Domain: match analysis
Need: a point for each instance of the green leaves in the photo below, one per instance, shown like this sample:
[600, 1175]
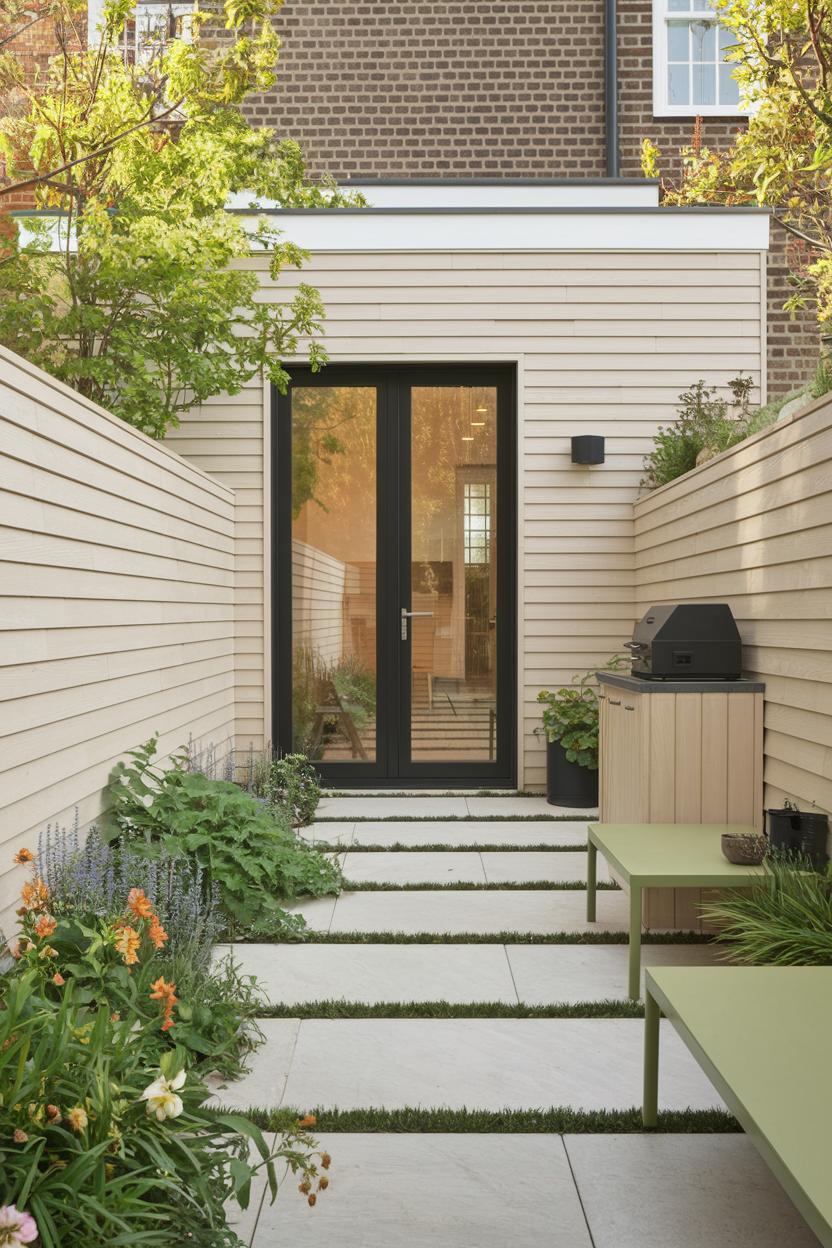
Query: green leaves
[151, 311]
[249, 851]
[571, 716]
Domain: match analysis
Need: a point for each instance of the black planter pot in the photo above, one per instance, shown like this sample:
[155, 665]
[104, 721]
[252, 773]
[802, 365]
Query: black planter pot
[568, 784]
[799, 832]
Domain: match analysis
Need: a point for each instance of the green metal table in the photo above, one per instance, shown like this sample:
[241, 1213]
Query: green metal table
[672, 855]
[761, 1034]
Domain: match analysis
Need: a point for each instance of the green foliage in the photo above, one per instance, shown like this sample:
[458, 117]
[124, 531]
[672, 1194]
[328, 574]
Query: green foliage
[291, 783]
[705, 426]
[786, 920]
[82, 1148]
[249, 852]
[571, 716]
[782, 53]
[142, 295]
[315, 683]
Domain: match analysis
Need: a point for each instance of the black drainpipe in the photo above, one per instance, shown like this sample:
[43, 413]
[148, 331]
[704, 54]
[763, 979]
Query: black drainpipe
[611, 88]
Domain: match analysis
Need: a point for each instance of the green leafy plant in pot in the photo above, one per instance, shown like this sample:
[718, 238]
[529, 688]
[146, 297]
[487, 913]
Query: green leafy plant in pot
[570, 722]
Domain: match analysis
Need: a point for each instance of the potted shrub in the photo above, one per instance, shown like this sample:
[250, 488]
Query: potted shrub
[570, 722]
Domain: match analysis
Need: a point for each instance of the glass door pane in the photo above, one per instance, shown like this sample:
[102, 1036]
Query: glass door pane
[453, 574]
[334, 572]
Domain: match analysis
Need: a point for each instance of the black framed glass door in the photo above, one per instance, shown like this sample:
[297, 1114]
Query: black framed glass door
[394, 579]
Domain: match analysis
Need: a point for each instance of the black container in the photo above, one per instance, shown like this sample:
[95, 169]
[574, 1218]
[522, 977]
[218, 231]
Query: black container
[568, 784]
[799, 832]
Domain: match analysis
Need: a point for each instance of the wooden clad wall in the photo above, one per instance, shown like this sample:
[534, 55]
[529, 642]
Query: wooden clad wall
[116, 604]
[604, 341]
[754, 528]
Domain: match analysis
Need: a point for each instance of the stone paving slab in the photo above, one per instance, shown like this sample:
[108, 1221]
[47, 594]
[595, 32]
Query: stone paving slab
[549, 974]
[521, 866]
[682, 1191]
[423, 1191]
[467, 832]
[527, 910]
[475, 1063]
[516, 805]
[290, 974]
[415, 807]
[336, 833]
[417, 868]
[448, 867]
[481, 912]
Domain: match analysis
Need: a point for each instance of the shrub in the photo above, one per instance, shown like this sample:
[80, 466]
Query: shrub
[250, 853]
[571, 716]
[291, 782]
[785, 920]
[99, 1142]
[705, 423]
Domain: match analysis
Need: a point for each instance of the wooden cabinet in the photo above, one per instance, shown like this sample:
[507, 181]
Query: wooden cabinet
[678, 752]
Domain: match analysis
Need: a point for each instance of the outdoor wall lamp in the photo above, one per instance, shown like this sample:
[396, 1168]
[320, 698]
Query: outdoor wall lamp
[588, 448]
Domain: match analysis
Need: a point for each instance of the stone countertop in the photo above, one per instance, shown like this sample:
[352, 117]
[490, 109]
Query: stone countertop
[637, 684]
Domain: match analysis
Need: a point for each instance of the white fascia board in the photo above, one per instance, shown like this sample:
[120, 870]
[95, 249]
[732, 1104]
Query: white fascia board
[422, 195]
[459, 230]
[658, 229]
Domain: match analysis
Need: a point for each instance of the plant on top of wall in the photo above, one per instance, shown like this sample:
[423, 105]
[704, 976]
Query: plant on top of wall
[706, 425]
[249, 852]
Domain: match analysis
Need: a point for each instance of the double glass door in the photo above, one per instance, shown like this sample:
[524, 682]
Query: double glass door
[394, 594]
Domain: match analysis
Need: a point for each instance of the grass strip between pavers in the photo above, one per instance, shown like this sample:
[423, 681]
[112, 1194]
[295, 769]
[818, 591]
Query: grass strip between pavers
[513, 1121]
[473, 886]
[313, 937]
[454, 818]
[476, 847]
[452, 1009]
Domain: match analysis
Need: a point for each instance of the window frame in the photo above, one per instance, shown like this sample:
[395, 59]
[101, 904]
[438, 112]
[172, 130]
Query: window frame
[661, 106]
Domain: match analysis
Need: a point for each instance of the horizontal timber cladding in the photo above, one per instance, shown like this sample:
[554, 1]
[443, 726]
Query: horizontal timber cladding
[754, 528]
[116, 605]
[603, 343]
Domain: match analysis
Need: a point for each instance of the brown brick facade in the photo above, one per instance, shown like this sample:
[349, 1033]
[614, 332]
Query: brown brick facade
[442, 88]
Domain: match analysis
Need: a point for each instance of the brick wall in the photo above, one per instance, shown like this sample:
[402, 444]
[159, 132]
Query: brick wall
[433, 88]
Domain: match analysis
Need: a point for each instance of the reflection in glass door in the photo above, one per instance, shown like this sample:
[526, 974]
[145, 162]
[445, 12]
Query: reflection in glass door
[453, 706]
[394, 588]
[334, 572]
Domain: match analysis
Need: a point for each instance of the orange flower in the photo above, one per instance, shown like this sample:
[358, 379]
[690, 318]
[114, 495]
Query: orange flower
[139, 904]
[115, 1017]
[127, 944]
[157, 933]
[164, 993]
[53, 1114]
[58, 980]
[19, 1136]
[35, 895]
[326, 1160]
[45, 925]
[308, 1120]
[23, 856]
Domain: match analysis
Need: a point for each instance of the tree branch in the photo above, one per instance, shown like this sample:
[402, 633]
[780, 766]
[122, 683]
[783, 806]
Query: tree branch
[99, 151]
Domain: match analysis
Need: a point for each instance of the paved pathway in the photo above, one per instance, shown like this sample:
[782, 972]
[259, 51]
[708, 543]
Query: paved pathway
[485, 1190]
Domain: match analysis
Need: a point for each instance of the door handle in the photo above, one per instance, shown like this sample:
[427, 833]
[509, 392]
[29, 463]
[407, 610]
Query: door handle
[408, 615]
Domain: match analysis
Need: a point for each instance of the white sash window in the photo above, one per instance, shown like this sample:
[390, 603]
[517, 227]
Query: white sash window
[691, 76]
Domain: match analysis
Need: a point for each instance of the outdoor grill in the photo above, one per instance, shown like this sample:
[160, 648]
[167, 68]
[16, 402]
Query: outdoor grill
[687, 641]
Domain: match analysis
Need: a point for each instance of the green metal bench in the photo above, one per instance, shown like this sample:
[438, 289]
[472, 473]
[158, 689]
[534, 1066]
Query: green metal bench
[761, 1034]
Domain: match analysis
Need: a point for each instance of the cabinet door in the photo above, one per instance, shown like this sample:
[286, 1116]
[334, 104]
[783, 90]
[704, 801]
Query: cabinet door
[623, 796]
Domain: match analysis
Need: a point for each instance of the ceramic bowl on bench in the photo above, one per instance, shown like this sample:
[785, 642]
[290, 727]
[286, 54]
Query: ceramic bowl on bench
[744, 850]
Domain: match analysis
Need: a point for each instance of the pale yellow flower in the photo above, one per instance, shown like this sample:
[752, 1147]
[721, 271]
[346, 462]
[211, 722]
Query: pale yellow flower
[162, 1099]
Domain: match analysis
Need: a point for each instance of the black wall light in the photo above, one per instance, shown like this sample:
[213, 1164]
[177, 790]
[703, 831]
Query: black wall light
[588, 449]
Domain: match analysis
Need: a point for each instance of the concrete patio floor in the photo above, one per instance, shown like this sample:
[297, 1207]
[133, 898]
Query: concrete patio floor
[535, 1191]
[486, 1190]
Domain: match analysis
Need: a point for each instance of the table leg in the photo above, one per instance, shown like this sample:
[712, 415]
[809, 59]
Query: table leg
[635, 941]
[650, 1103]
[591, 878]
